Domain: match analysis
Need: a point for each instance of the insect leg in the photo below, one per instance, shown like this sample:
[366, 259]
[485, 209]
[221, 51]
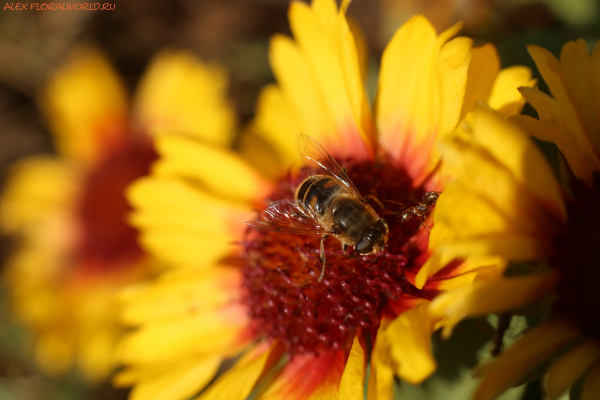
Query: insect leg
[375, 200]
[427, 228]
[323, 256]
[344, 248]
[396, 212]
[421, 214]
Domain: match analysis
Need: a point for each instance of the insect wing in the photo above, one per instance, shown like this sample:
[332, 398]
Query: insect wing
[317, 161]
[287, 217]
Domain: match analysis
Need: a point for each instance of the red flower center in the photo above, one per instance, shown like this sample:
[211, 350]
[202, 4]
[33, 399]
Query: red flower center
[281, 271]
[578, 259]
[106, 239]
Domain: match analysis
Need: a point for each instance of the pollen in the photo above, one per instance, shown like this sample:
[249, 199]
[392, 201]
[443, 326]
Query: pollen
[281, 271]
[578, 259]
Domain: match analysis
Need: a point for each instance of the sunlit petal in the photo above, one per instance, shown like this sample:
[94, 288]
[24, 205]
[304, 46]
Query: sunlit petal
[86, 104]
[175, 88]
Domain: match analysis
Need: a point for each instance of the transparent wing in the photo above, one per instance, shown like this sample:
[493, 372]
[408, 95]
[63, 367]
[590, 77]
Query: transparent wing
[317, 161]
[287, 217]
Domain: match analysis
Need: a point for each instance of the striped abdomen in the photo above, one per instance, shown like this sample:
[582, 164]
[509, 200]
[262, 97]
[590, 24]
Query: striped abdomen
[317, 192]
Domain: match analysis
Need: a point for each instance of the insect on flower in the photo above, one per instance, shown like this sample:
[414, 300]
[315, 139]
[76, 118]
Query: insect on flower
[428, 201]
[326, 203]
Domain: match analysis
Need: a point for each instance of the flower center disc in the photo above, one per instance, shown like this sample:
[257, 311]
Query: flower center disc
[578, 260]
[106, 238]
[281, 271]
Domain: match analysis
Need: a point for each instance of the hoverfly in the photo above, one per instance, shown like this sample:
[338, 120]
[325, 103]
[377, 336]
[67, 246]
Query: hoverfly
[328, 204]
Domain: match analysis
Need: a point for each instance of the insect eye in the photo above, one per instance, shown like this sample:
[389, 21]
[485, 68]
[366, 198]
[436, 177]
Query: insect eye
[381, 226]
[364, 246]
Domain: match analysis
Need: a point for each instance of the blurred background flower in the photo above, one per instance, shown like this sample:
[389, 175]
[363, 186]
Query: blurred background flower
[66, 213]
[74, 249]
[34, 43]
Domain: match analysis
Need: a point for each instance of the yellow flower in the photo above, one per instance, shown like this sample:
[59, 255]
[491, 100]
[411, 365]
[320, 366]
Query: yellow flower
[570, 119]
[237, 291]
[506, 202]
[75, 249]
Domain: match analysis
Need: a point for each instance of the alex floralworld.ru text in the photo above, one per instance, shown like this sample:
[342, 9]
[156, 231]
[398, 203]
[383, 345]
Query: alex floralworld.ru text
[59, 6]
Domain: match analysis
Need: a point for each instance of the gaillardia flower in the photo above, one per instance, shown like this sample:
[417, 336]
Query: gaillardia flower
[240, 292]
[506, 202]
[68, 212]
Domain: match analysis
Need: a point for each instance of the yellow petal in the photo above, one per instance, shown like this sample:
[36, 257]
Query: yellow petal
[308, 377]
[237, 383]
[464, 273]
[541, 130]
[553, 126]
[584, 81]
[565, 371]
[409, 336]
[37, 189]
[179, 382]
[54, 352]
[508, 245]
[300, 89]
[179, 248]
[454, 59]
[183, 225]
[352, 385]
[181, 94]
[492, 296]
[535, 347]
[508, 145]
[553, 73]
[591, 386]
[505, 96]
[130, 375]
[262, 154]
[483, 68]
[490, 187]
[498, 88]
[361, 42]
[574, 83]
[182, 292]
[320, 75]
[421, 90]
[306, 100]
[381, 375]
[86, 105]
[277, 122]
[211, 332]
[220, 171]
[328, 45]
[96, 352]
